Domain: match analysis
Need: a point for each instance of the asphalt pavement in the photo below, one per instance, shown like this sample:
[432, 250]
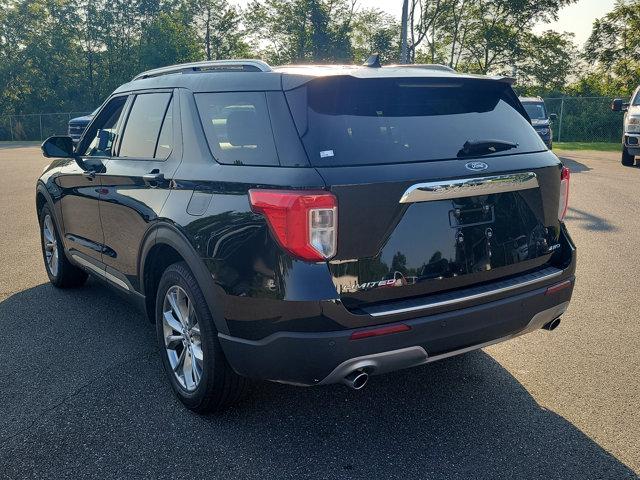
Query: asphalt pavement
[82, 393]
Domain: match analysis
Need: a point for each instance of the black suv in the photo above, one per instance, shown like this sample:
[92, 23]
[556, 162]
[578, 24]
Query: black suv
[540, 119]
[312, 224]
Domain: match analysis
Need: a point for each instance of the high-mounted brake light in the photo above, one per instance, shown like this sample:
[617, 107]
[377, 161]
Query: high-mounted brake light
[305, 223]
[565, 176]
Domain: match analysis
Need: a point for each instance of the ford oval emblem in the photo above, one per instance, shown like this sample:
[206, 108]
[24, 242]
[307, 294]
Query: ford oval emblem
[476, 166]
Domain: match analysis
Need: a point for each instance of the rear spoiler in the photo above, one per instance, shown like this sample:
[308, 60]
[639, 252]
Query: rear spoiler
[291, 79]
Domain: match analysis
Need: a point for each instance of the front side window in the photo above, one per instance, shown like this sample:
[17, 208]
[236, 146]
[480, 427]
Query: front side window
[238, 127]
[142, 129]
[103, 129]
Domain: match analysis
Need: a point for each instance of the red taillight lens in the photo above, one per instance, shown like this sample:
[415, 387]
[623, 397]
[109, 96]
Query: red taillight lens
[304, 223]
[565, 176]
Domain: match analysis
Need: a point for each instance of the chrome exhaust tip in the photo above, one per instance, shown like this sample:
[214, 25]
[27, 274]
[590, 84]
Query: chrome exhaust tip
[552, 325]
[356, 380]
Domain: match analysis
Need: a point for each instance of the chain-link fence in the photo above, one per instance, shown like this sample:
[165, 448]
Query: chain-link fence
[35, 126]
[580, 119]
[585, 119]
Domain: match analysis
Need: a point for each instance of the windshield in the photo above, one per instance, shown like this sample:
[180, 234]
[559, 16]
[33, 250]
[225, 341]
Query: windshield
[350, 121]
[536, 111]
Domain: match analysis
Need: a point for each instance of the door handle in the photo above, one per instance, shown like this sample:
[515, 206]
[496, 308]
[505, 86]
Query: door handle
[153, 178]
[89, 174]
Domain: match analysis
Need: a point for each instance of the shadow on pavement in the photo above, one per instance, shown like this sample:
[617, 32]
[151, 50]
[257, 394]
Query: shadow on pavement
[589, 221]
[575, 166]
[82, 391]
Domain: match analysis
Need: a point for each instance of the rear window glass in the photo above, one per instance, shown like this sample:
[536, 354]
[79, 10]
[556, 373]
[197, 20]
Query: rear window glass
[238, 127]
[349, 121]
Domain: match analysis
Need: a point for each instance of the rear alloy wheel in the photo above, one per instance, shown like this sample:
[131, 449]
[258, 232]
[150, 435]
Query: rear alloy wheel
[190, 351]
[627, 159]
[183, 344]
[60, 271]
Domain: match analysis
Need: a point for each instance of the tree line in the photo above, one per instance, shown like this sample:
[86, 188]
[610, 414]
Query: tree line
[68, 55]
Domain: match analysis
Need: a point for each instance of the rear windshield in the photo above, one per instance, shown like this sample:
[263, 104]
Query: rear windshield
[536, 111]
[349, 121]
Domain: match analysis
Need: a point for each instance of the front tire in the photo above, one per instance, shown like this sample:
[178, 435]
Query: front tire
[627, 159]
[61, 272]
[191, 354]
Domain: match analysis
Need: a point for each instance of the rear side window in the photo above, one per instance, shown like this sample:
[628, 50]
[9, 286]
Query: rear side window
[350, 121]
[238, 127]
[142, 129]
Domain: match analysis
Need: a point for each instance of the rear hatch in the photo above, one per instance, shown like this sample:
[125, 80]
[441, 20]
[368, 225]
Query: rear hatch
[441, 183]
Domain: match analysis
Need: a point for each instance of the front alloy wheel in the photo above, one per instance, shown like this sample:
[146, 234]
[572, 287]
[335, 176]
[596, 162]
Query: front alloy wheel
[60, 271]
[182, 338]
[50, 245]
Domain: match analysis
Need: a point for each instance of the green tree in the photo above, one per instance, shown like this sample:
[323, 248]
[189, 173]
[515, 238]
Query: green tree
[302, 30]
[499, 31]
[614, 46]
[375, 31]
[547, 62]
[168, 40]
[220, 29]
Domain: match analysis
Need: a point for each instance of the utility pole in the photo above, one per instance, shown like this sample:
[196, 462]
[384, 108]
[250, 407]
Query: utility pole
[404, 54]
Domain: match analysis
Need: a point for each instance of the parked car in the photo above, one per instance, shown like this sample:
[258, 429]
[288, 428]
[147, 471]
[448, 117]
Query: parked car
[540, 119]
[311, 224]
[631, 127]
[78, 125]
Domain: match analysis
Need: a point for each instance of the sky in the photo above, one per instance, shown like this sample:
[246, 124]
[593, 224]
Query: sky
[577, 18]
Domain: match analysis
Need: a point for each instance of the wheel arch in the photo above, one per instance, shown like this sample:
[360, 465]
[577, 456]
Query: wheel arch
[163, 246]
[43, 197]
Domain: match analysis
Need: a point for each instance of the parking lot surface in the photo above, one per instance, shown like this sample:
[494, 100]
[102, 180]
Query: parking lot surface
[82, 394]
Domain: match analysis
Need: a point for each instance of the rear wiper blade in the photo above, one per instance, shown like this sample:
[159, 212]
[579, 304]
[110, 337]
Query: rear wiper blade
[485, 147]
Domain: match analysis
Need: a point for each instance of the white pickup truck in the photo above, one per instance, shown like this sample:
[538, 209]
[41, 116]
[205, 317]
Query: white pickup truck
[631, 130]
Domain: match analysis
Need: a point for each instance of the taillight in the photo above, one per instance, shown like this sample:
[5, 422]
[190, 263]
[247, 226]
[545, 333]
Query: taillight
[565, 176]
[304, 223]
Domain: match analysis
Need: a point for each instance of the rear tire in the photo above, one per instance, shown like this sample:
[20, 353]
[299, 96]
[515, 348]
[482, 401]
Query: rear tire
[61, 272]
[628, 160]
[191, 354]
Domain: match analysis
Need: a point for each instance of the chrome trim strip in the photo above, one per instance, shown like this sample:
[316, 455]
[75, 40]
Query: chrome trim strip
[100, 272]
[469, 187]
[476, 296]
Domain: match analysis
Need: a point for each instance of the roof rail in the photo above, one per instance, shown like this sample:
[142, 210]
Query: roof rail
[208, 66]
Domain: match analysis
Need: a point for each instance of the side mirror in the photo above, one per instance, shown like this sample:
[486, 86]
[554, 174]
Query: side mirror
[104, 139]
[58, 147]
[619, 105]
[553, 117]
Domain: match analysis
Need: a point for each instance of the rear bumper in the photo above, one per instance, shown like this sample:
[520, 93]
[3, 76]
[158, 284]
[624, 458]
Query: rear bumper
[320, 358]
